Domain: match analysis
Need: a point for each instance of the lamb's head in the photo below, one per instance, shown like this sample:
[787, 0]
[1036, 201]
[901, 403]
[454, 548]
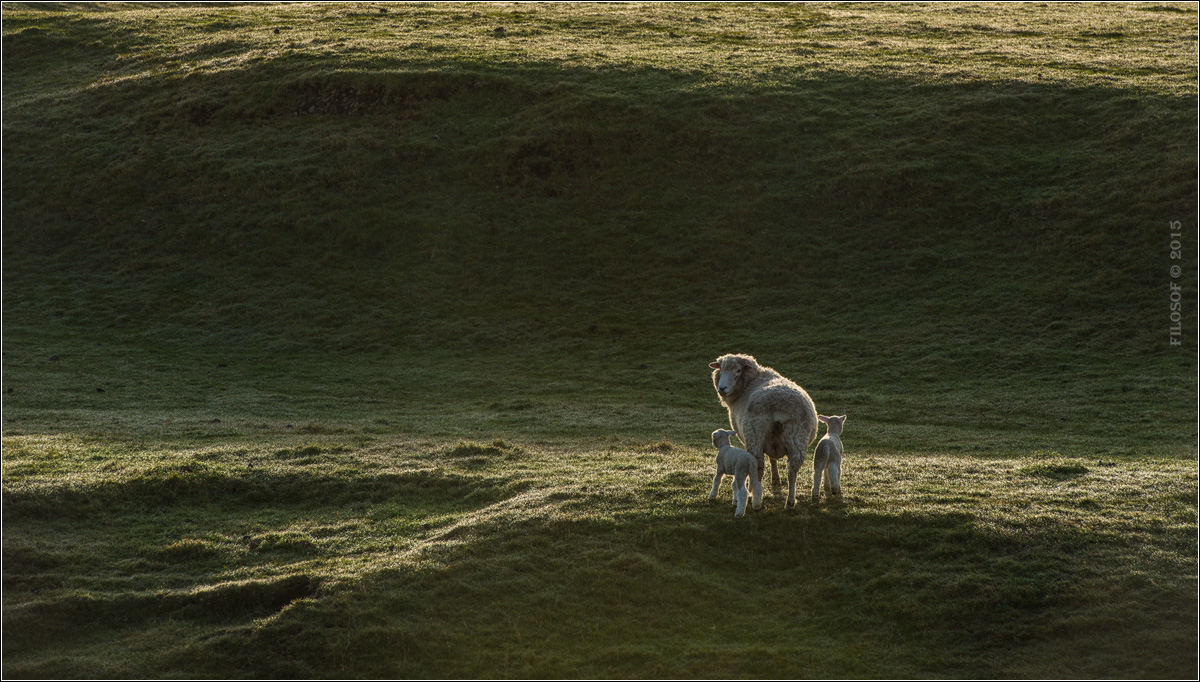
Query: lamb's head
[721, 437]
[834, 423]
[731, 373]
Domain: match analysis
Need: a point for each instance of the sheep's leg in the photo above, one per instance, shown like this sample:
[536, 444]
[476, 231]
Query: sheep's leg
[797, 448]
[820, 461]
[739, 496]
[754, 437]
[795, 463]
[756, 486]
[716, 485]
[775, 450]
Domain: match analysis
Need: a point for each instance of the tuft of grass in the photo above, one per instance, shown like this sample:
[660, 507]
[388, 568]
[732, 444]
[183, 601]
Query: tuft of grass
[189, 549]
[1058, 470]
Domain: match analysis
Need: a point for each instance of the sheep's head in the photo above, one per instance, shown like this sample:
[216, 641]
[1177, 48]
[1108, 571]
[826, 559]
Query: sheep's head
[731, 373]
[721, 437]
[834, 423]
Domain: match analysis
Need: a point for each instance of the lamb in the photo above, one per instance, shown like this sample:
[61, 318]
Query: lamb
[827, 458]
[742, 466]
[772, 415]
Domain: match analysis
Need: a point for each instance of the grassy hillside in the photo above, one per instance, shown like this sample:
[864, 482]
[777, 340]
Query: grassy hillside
[371, 339]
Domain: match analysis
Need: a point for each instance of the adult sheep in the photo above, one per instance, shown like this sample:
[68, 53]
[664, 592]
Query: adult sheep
[771, 414]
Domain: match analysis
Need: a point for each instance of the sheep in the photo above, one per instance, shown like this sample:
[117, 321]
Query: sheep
[742, 466]
[827, 458]
[771, 414]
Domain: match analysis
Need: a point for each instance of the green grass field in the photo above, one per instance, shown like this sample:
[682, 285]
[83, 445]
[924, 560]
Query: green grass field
[371, 340]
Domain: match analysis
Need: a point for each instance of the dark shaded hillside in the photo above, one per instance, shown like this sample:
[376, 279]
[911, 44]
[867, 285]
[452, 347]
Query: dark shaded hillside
[186, 177]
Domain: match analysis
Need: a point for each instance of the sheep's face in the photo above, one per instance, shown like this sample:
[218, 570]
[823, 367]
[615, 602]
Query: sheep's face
[731, 373]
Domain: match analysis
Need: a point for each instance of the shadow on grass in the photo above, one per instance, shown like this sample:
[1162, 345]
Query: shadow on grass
[605, 580]
[812, 593]
[199, 485]
[526, 156]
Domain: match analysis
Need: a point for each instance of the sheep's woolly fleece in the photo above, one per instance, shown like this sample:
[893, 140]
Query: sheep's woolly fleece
[772, 415]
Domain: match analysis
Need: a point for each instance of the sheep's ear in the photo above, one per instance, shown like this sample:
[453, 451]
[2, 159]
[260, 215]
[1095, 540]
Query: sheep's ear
[715, 365]
[823, 418]
[750, 367]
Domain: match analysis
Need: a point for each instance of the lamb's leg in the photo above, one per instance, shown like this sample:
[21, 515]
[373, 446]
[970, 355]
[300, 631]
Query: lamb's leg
[833, 483]
[716, 485]
[739, 496]
[820, 461]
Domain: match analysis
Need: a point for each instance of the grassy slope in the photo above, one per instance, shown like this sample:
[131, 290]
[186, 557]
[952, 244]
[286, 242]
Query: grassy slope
[267, 232]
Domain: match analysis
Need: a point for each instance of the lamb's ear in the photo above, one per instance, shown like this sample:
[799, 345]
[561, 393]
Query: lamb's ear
[715, 365]
[823, 418]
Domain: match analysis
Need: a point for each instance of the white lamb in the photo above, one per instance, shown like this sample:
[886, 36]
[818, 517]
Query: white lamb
[742, 466]
[828, 458]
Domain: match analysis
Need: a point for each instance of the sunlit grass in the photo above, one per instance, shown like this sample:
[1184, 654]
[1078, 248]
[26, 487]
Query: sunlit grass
[761, 48]
[330, 533]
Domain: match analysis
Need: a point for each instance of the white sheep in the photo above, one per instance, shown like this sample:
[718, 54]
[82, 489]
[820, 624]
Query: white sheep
[827, 458]
[742, 466]
[771, 414]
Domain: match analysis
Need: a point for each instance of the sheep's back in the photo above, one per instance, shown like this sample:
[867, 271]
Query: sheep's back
[774, 396]
[777, 394]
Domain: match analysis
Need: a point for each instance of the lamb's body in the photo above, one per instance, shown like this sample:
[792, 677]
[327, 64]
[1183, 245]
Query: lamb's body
[827, 458]
[772, 414]
[742, 466]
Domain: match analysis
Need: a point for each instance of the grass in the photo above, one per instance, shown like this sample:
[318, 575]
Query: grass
[492, 559]
[371, 340]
